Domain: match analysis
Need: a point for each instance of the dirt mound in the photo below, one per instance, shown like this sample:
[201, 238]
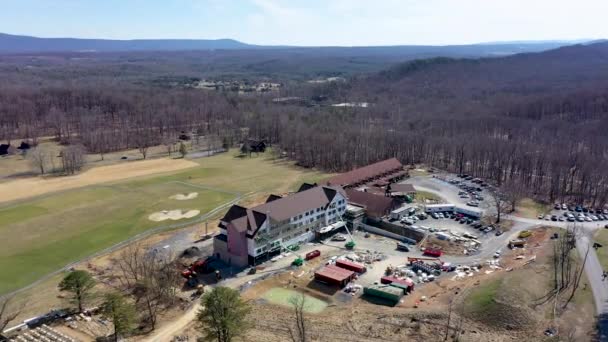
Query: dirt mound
[184, 197]
[173, 215]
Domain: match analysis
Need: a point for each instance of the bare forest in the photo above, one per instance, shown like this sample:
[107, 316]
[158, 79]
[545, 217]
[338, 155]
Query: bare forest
[536, 123]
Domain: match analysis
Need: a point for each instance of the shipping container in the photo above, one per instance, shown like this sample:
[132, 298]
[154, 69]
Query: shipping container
[434, 252]
[334, 275]
[351, 266]
[406, 284]
[390, 293]
[313, 254]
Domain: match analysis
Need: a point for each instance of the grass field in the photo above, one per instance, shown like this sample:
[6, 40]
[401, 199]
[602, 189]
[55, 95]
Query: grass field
[602, 253]
[43, 234]
[530, 208]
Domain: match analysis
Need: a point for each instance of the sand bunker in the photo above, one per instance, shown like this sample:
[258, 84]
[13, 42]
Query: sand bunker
[184, 197]
[173, 215]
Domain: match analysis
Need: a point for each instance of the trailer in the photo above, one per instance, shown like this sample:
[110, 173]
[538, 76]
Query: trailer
[399, 213]
[476, 213]
[351, 266]
[387, 292]
[435, 208]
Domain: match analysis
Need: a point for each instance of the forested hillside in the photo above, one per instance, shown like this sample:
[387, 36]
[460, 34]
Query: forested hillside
[535, 123]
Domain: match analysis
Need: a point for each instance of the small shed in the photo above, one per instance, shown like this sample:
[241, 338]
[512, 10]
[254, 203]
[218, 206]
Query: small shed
[334, 275]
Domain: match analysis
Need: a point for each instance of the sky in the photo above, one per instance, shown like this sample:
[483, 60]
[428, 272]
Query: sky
[311, 22]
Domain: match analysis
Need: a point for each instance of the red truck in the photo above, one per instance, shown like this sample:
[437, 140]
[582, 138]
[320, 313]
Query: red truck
[434, 252]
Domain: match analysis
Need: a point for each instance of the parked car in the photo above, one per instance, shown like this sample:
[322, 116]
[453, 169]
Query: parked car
[547, 217]
[562, 219]
[434, 215]
[553, 217]
[588, 219]
[564, 206]
[540, 216]
[403, 247]
[338, 238]
[498, 232]
[557, 206]
[571, 219]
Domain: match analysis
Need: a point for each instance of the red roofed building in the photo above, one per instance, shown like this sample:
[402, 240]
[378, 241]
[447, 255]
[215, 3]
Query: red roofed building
[385, 171]
[334, 275]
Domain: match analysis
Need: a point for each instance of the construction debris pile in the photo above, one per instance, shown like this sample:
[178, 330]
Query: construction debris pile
[367, 257]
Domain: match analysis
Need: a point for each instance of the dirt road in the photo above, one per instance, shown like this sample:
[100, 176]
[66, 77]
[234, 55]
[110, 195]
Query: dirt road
[174, 328]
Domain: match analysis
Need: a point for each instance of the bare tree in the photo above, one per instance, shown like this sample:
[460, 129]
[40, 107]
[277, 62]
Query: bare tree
[152, 278]
[500, 204]
[72, 158]
[39, 157]
[8, 313]
[299, 333]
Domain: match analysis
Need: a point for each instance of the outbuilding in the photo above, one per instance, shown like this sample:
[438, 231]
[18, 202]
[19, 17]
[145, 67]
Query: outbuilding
[334, 275]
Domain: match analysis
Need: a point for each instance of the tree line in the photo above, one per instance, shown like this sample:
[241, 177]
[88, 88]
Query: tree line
[535, 123]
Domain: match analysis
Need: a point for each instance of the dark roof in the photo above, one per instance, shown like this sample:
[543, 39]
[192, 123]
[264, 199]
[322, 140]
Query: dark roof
[405, 188]
[297, 203]
[306, 186]
[375, 205]
[273, 198]
[364, 173]
[234, 212]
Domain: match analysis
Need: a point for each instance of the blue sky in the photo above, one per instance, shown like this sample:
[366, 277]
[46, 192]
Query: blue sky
[311, 22]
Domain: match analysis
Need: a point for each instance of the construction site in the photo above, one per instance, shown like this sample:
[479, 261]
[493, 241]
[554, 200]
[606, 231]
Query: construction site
[367, 268]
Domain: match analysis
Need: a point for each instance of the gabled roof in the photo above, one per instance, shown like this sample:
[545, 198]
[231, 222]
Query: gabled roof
[273, 198]
[292, 205]
[306, 186]
[280, 208]
[361, 174]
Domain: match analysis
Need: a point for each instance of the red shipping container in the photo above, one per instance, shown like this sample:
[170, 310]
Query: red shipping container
[433, 252]
[313, 254]
[349, 265]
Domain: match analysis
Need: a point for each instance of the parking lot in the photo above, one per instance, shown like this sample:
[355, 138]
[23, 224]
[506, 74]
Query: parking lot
[562, 212]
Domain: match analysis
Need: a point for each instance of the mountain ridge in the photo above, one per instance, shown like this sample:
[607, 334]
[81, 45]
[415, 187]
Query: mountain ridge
[10, 43]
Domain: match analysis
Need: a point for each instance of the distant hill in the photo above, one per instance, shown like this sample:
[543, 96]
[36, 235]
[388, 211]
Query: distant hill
[26, 44]
[19, 44]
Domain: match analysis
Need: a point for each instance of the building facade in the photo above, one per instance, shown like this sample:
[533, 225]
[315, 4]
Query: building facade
[252, 235]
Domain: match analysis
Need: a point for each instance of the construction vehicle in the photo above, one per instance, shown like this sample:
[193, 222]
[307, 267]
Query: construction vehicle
[298, 262]
[518, 243]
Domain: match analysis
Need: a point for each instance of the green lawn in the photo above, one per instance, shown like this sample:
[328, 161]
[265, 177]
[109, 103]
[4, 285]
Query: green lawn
[44, 234]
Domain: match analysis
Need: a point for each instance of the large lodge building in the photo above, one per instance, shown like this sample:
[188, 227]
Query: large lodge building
[251, 235]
